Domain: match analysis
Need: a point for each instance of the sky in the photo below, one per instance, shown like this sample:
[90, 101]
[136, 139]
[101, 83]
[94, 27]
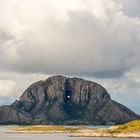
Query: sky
[98, 40]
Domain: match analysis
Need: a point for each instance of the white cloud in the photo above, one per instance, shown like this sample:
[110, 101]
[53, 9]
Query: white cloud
[74, 37]
[6, 87]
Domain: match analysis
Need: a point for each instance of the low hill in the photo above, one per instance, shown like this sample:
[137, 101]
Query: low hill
[133, 126]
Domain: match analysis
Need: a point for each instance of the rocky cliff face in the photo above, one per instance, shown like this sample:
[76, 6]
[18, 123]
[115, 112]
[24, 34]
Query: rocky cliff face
[63, 100]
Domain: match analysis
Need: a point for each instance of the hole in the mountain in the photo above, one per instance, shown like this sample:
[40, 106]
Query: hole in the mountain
[68, 97]
[67, 91]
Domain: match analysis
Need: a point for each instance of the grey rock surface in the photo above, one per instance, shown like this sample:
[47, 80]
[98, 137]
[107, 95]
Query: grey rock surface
[63, 100]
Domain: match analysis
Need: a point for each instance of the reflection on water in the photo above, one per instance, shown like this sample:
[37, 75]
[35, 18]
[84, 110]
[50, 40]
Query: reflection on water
[9, 136]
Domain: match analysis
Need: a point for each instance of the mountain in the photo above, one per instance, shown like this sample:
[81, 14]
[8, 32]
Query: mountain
[63, 100]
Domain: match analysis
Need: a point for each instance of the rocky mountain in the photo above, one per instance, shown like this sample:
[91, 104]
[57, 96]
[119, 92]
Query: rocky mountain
[63, 100]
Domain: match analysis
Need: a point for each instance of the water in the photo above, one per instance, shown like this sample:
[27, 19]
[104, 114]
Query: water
[62, 136]
[88, 126]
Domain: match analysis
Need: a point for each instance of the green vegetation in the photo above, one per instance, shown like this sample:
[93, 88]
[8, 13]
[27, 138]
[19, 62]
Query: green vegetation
[133, 126]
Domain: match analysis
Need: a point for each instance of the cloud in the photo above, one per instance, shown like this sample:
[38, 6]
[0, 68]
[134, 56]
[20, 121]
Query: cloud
[13, 84]
[100, 41]
[130, 7]
[6, 86]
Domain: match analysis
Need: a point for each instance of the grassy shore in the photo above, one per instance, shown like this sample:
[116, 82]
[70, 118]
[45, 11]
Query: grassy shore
[131, 129]
[133, 126]
[45, 129]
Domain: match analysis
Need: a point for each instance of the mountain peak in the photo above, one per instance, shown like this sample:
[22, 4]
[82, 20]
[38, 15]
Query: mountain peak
[64, 100]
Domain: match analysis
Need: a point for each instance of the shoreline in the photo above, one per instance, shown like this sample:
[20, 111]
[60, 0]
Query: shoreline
[109, 135]
[74, 132]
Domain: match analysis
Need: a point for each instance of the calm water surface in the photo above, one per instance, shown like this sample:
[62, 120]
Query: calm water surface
[8, 136]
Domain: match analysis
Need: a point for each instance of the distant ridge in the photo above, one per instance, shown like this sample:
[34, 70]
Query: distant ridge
[64, 100]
